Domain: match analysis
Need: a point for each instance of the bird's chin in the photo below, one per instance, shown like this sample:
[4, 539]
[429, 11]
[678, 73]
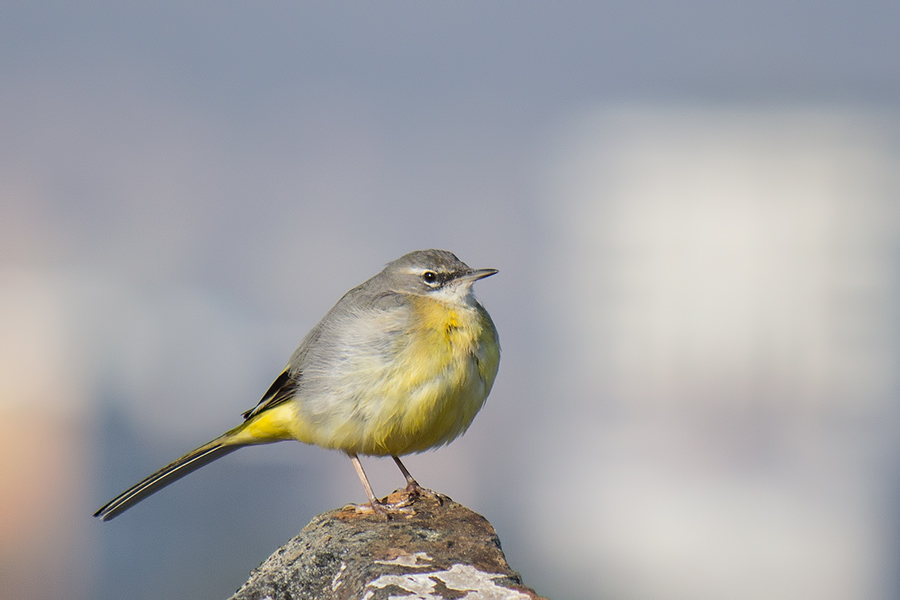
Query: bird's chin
[461, 293]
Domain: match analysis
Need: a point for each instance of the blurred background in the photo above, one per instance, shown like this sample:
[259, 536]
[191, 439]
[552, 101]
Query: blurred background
[695, 210]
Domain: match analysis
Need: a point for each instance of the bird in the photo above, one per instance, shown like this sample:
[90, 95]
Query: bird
[401, 364]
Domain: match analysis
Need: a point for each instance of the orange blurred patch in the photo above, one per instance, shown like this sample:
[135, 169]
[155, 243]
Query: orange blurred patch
[42, 496]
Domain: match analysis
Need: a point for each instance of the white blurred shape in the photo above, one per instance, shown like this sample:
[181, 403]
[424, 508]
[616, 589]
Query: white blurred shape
[726, 244]
[723, 292]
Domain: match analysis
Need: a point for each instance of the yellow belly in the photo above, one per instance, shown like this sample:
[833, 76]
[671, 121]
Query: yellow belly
[428, 394]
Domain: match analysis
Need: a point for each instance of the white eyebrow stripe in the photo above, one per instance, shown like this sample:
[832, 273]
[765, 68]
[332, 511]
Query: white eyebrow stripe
[422, 270]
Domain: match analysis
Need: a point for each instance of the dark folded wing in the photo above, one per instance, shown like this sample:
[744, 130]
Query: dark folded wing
[281, 390]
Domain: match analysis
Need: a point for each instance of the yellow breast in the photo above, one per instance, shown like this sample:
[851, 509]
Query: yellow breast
[438, 381]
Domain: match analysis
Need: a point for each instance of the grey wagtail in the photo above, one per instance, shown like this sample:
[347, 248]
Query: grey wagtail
[402, 363]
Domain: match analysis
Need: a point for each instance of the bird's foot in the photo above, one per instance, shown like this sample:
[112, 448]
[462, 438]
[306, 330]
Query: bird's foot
[384, 507]
[407, 496]
[370, 508]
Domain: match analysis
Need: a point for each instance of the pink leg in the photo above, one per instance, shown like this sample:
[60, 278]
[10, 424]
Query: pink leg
[412, 486]
[373, 501]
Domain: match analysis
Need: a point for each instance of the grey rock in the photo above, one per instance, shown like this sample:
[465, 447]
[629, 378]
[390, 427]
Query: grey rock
[433, 549]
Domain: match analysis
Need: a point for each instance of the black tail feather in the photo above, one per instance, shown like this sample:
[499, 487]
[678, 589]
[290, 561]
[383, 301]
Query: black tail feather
[169, 474]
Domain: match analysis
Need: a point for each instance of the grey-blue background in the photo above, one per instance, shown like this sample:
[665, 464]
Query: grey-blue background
[692, 205]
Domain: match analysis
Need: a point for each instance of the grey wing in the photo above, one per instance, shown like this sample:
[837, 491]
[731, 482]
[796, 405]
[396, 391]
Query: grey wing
[344, 331]
[287, 383]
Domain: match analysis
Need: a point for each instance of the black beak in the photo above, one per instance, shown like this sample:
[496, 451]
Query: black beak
[476, 274]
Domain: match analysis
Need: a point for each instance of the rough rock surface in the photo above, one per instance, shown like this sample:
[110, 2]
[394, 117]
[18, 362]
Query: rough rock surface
[435, 550]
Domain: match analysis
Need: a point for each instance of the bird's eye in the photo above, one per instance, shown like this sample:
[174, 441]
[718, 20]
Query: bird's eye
[429, 277]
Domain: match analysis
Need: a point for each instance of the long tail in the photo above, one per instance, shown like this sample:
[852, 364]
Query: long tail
[171, 473]
[271, 425]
